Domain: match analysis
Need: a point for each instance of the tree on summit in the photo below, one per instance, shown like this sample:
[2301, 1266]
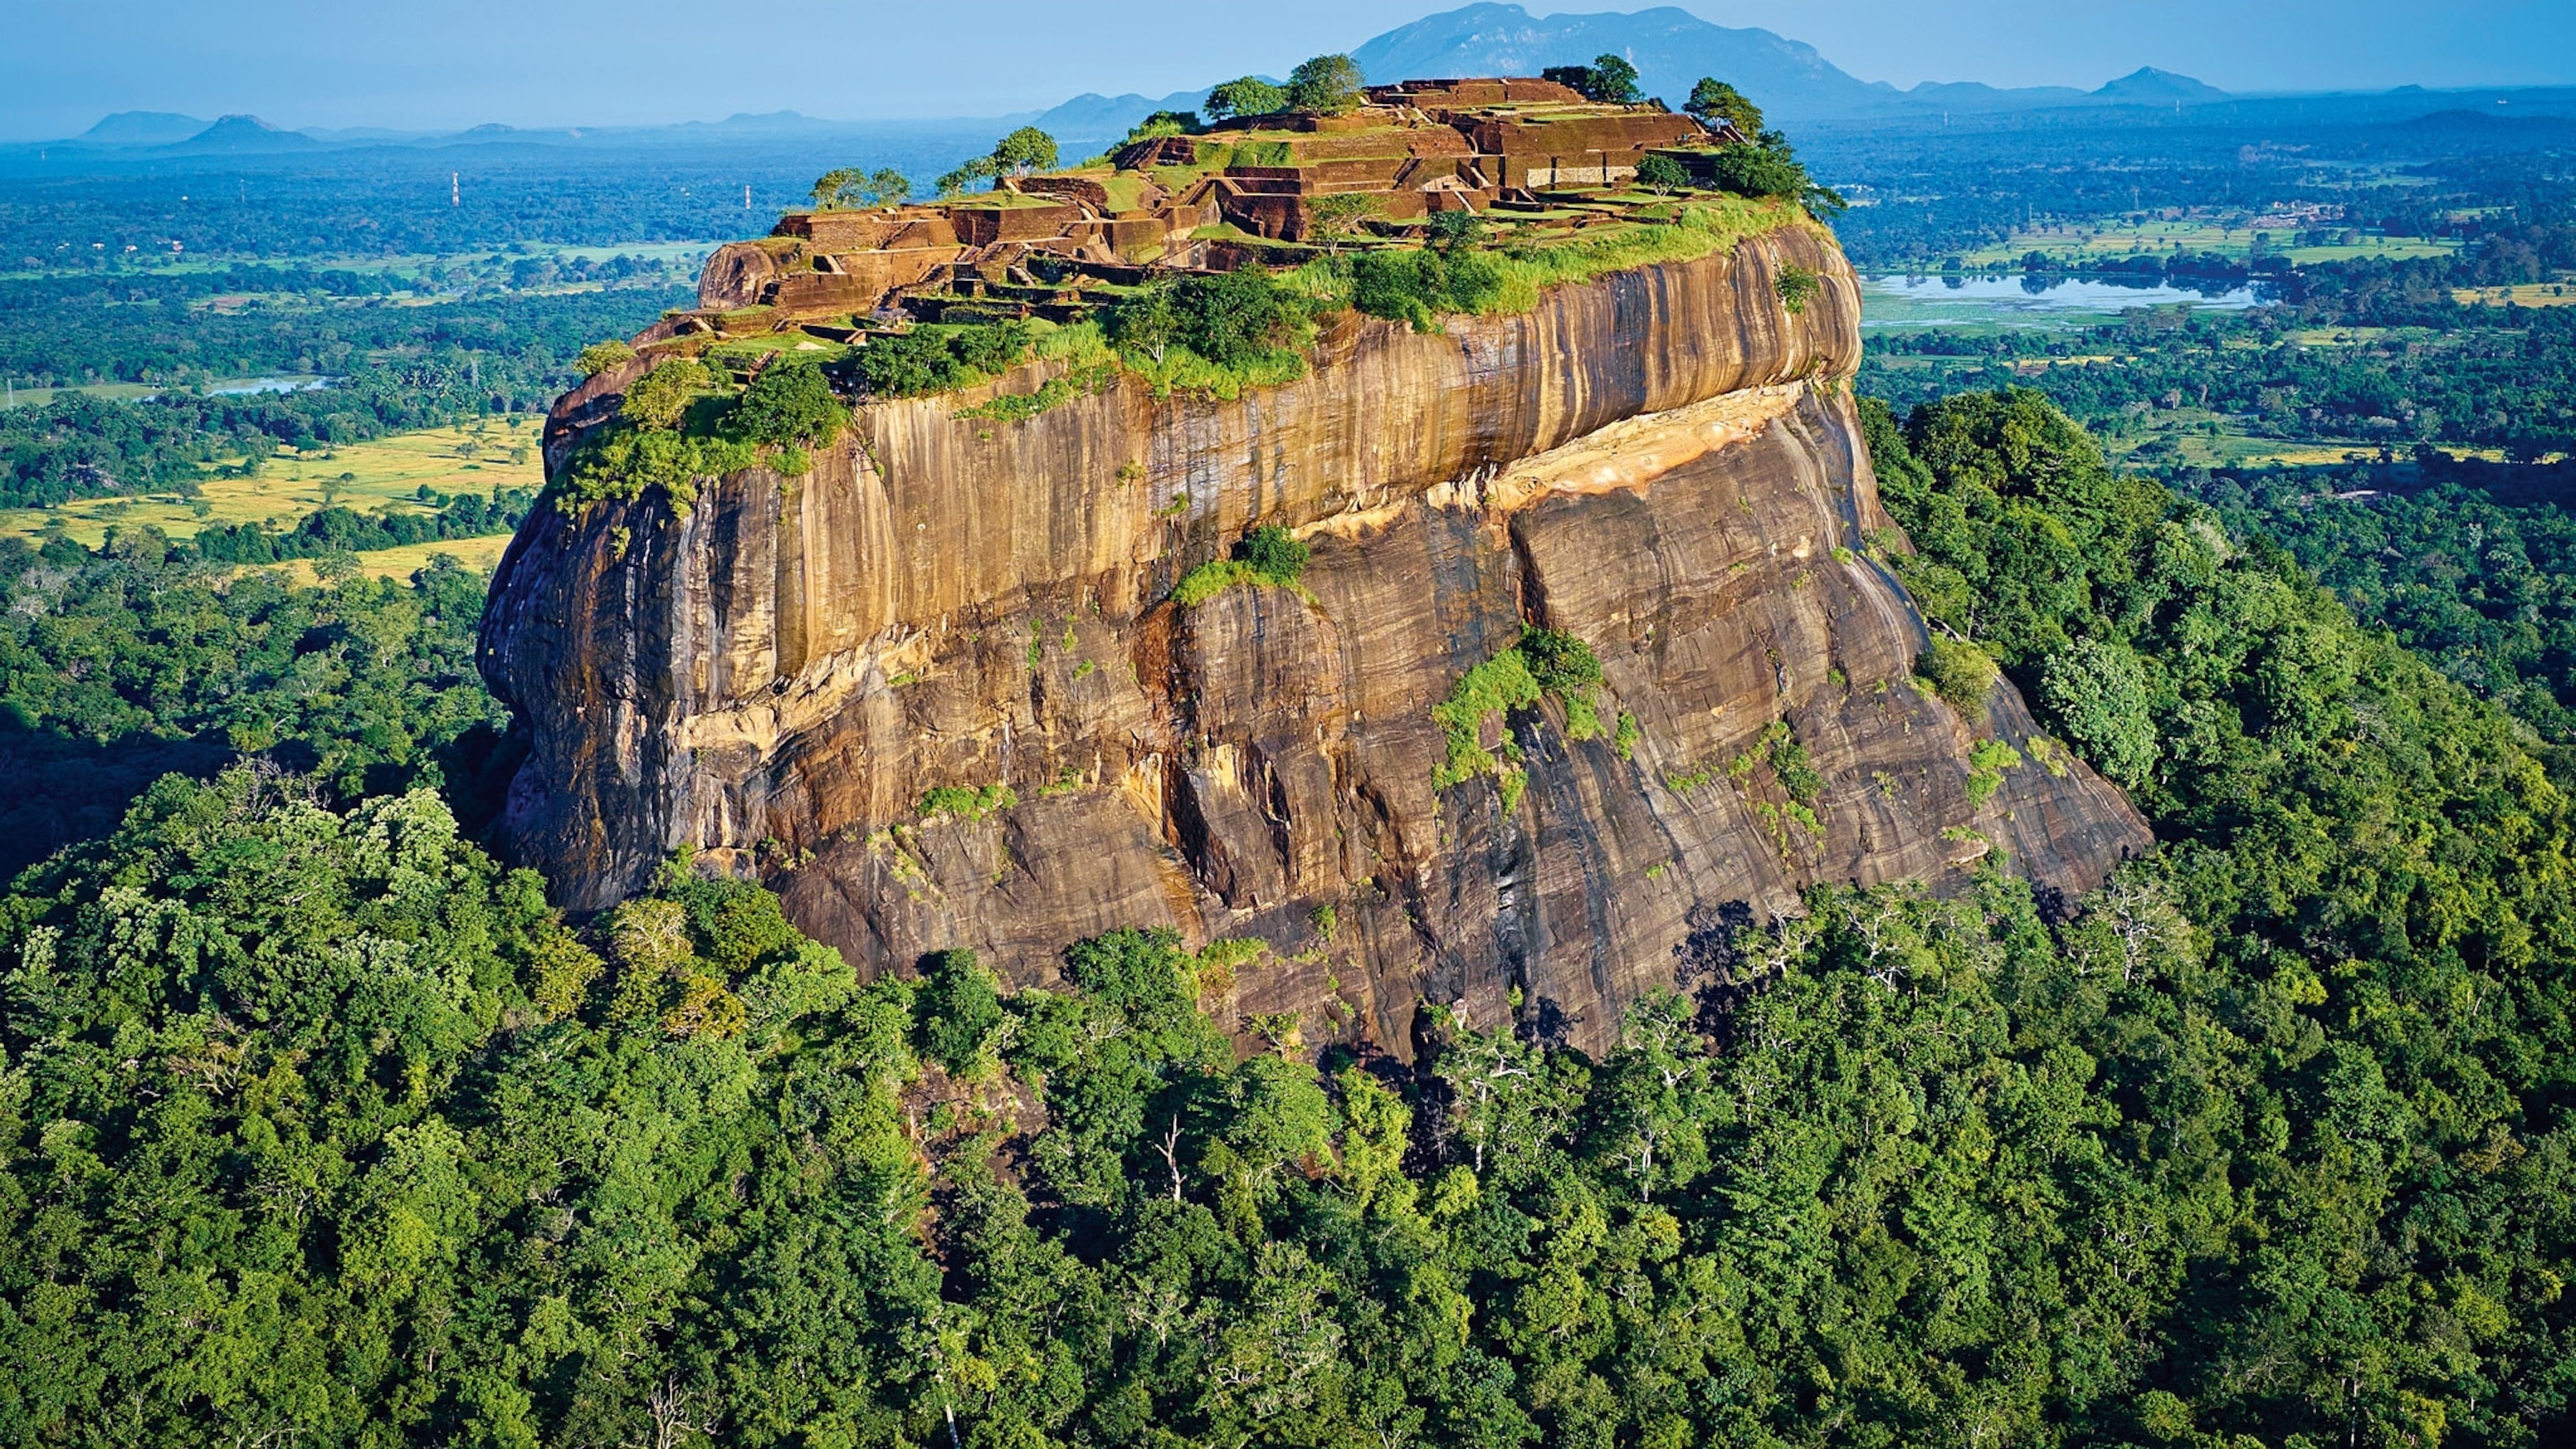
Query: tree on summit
[972, 170]
[1245, 96]
[1609, 80]
[1025, 150]
[1714, 103]
[1329, 84]
[1662, 174]
[855, 186]
[1164, 123]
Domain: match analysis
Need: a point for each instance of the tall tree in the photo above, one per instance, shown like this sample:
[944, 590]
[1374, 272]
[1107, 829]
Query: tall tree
[1715, 102]
[1246, 96]
[1329, 84]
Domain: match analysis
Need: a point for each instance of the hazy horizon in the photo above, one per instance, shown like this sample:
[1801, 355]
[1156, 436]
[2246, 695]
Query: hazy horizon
[298, 63]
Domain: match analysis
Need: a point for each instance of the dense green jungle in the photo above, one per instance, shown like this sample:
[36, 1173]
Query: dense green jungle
[2265, 1144]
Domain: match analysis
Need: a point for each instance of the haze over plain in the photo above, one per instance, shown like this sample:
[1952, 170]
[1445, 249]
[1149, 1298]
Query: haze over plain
[644, 62]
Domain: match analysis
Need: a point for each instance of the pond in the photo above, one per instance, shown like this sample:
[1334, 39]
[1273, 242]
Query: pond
[2030, 301]
[268, 384]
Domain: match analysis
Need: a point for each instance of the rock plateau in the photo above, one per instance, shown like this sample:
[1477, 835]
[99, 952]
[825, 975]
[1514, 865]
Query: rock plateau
[1664, 462]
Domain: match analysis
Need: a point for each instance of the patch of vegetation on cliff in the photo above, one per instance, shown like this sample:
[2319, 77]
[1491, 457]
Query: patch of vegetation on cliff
[1796, 287]
[1458, 275]
[1089, 380]
[965, 802]
[1421, 286]
[1267, 555]
[682, 422]
[1987, 761]
[1213, 335]
[1778, 750]
[1542, 662]
[937, 359]
[1700, 228]
[1960, 673]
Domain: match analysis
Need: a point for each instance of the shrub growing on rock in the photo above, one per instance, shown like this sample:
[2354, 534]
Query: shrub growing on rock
[1267, 555]
[911, 364]
[1662, 174]
[661, 397]
[599, 357]
[1273, 553]
[789, 403]
[1961, 673]
[1420, 286]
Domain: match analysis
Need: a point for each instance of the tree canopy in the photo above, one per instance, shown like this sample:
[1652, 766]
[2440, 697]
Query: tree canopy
[1328, 83]
[1246, 96]
[1610, 79]
[856, 186]
[1716, 102]
[1025, 150]
[317, 1124]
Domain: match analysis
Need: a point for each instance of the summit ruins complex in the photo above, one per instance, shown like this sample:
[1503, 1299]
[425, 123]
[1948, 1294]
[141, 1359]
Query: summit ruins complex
[1530, 153]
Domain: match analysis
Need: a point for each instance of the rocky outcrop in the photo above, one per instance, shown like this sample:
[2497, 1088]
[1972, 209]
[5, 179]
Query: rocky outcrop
[1664, 462]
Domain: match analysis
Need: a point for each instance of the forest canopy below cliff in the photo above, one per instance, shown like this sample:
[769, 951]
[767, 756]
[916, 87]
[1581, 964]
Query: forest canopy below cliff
[2263, 1143]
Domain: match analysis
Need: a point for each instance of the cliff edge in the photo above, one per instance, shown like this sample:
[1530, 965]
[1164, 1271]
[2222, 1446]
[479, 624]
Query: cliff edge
[1664, 463]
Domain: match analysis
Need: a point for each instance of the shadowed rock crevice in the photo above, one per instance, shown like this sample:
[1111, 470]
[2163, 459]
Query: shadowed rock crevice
[1664, 463]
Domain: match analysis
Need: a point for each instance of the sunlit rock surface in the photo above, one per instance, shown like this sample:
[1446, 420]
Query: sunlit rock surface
[1664, 462]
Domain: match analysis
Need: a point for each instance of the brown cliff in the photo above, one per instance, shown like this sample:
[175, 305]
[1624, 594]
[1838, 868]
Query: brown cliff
[1664, 463]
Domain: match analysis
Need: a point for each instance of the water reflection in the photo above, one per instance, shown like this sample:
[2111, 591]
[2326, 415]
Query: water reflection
[1967, 298]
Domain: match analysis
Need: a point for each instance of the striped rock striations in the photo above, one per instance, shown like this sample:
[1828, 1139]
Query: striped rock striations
[1664, 462]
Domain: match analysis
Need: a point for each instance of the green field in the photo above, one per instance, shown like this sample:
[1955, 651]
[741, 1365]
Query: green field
[2528, 294]
[2230, 236]
[402, 563]
[401, 263]
[387, 473]
[2200, 438]
[36, 397]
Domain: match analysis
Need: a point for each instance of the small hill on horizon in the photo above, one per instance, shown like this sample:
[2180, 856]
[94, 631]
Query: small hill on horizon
[246, 133]
[2151, 86]
[143, 128]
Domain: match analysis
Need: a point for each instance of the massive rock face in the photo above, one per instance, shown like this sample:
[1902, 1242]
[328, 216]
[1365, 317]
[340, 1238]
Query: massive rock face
[1664, 462]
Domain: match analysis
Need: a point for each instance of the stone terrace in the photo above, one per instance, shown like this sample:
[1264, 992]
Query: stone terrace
[1530, 155]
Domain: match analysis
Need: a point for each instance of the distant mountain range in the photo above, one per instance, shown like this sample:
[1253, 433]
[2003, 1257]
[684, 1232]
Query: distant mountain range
[162, 133]
[1671, 49]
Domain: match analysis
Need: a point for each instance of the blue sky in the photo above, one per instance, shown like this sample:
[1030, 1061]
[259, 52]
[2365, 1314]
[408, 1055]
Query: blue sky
[554, 62]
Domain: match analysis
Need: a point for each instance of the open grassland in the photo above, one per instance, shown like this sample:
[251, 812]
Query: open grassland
[2528, 294]
[2200, 438]
[387, 473]
[36, 397]
[400, 264]
[483, 554]
[2109, 240]
[2354, 336]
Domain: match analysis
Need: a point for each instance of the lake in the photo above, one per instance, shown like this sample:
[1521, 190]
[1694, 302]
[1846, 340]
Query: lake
[268, 384]
[2031, 301]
